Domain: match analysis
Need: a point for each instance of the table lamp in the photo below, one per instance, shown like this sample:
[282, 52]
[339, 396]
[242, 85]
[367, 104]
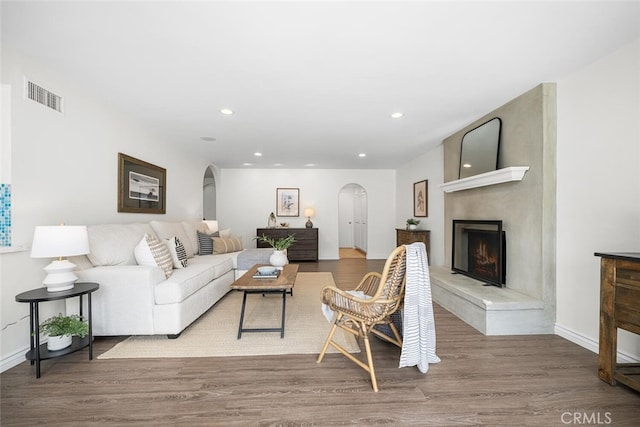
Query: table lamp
[308, 212]
[58, 242]
[212, 224]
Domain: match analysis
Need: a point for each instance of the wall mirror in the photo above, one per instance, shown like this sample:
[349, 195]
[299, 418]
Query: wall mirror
[480, 149]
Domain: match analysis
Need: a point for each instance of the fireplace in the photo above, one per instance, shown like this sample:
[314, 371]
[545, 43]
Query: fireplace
[479, 250]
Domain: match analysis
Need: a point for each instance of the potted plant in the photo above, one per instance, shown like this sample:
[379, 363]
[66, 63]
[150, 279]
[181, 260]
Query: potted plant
[280, 246]
[61, 330]
[412, 223]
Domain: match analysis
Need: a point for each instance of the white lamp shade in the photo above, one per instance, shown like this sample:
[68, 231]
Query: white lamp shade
[212, 224]
[308, 212]
[57, 242]
[60, 241]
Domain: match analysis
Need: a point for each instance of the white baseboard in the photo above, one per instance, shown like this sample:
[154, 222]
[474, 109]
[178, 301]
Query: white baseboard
[591, 344]
[13, 360]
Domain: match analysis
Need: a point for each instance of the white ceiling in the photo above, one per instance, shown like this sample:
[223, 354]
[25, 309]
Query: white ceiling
[314, 82]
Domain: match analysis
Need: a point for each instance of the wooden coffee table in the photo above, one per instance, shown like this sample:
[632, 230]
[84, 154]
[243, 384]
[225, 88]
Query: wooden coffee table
[281, 285]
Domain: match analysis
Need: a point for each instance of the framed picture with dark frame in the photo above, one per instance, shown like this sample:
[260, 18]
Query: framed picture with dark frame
[287, 202]
[420, 199]
[141, 186]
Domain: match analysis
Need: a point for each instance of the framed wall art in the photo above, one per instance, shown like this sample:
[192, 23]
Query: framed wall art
[420, 199]
[287, 202]
[141, 186]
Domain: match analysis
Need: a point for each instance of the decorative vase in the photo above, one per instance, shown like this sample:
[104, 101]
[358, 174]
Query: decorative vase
[272, 221]
[59, 342]
[412, 226]
[279, 258]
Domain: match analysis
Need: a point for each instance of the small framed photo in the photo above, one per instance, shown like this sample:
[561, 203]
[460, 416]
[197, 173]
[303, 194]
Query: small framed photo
[141, 186]
[287, 202]
[420, 199]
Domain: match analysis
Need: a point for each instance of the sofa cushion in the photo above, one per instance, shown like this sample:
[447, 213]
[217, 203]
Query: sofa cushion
[191, 229]
[151, 251]
[113, 244]
[223, 245]
[187, 281]
[205, 242]
[178, 254]
[250, 257]
[166, 230]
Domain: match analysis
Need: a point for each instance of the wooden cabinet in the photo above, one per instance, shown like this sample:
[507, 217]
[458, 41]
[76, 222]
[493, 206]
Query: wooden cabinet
[406, 237]
[304, 249]
[619, 308]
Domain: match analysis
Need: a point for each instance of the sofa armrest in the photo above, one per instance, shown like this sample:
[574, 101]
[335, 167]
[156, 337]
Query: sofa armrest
[124, 303]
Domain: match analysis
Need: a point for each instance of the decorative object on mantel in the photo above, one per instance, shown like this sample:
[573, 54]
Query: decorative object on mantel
[284, 225]
[61, 330]
[513, 173]
[309, 212]
[271, 222]
[412, 223]
[57, 242]
[279, 257]
[420, 199]
[141, 186]
[287, 202]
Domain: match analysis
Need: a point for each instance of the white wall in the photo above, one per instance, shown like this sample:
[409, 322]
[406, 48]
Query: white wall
[429, 166]
[64, 169]
[246, 197]
[598, 188]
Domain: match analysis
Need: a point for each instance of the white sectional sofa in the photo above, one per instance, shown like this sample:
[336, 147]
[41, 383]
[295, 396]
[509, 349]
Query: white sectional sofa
[138, 299]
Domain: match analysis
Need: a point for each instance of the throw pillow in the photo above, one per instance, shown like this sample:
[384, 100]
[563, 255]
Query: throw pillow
[223, 245]
[205, 244]
[151, 251]
[177, 251]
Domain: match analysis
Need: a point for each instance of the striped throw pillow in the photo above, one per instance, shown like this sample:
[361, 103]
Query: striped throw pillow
[223, 245]
[205, 244]
[178, 252]
[153, 252]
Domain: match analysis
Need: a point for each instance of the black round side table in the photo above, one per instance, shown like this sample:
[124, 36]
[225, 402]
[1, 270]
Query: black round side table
[40, 352]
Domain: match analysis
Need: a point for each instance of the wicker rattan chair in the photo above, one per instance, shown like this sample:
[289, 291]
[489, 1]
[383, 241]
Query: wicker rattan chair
[384, 296]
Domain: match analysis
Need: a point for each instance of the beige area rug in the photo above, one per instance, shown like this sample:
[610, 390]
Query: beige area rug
[215, 333]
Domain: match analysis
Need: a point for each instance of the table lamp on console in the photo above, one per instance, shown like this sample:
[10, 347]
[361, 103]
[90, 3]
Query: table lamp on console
[309, 212]
[58, 242]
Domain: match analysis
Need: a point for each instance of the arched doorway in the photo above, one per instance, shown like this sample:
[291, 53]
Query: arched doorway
[352, 221]
[209, 195]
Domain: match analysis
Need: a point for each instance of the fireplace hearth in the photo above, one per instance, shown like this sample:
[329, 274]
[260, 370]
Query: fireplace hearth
[479, 250]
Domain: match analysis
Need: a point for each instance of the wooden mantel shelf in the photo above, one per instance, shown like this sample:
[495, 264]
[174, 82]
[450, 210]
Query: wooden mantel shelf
[513, 173]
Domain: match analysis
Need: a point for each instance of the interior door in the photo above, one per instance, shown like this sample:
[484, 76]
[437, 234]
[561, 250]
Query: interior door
[345, 219]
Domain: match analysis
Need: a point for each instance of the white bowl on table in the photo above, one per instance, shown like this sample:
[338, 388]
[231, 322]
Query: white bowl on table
[266, 270]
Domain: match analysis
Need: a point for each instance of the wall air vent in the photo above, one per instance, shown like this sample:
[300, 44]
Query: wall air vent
[43, 96]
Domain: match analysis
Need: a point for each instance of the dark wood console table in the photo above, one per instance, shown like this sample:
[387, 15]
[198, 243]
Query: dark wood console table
[304, 249]
[619, 308]
[406, 237]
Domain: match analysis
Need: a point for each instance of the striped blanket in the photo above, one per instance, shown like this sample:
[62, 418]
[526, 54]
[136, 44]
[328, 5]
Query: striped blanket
[419, 337]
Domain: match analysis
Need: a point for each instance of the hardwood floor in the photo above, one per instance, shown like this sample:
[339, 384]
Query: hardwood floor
[541, 380]
[351, 253]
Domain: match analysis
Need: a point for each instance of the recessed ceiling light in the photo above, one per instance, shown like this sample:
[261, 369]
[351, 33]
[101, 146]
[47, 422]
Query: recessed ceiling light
[277, 164]
[310, 164]
[207, 138]
[247, 164]
[466, 165]
[226, 111]
[257, 154]
[362, 155]
[396, 115]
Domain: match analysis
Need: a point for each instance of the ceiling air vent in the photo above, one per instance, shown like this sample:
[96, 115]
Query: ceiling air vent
[43, 96]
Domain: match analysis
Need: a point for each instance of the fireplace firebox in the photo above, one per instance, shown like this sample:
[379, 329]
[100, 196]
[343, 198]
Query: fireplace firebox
[479, 250]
